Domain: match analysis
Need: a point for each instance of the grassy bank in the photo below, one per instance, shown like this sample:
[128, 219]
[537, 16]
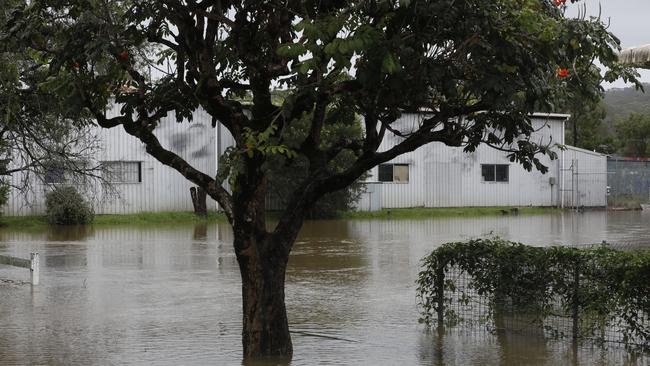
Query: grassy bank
[173, 218]
[145, 218]
[420, 212]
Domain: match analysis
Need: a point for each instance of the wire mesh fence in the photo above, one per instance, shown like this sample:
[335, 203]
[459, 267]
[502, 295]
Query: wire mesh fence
[555, 317]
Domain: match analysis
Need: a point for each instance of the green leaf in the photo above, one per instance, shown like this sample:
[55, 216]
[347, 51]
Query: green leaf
[291, 50]
[389, 66]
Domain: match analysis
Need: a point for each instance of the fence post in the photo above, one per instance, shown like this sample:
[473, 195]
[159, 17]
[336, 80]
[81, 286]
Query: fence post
[199, 196]
[34, 267]
[440, 296]
[575, 304]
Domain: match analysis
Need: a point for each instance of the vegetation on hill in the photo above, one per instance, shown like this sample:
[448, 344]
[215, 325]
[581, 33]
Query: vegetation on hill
[620, 102]
[617, 124]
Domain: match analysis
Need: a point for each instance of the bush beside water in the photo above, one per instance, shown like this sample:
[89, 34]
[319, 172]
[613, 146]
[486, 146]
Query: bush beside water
[595, 288]
[65, 206]
[4, 194]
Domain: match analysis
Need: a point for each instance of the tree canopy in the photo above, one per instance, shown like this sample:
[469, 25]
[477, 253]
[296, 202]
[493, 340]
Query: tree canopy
[633, 134]
[480, 68]
[610, 125]
[38, 131]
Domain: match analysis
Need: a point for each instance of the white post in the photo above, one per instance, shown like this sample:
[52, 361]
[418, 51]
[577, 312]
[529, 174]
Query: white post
[34, 267]
[561, 185]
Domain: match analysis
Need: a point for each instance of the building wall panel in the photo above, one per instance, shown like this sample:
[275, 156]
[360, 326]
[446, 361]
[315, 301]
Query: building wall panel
[161, 189]
[439, 175]
[585, 178]
[443, 176]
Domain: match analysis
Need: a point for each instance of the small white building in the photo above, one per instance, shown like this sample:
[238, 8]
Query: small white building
[137, 181]
[435, 175]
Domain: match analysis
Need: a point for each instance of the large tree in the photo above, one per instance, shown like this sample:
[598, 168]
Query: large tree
[480, 68]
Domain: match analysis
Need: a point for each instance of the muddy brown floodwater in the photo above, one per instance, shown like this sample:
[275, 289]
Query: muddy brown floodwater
[171, 295]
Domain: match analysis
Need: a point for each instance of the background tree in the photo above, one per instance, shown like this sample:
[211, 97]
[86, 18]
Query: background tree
[587, 127]
[39, 132]
[601, 124]
[633, 134]
[480, 67]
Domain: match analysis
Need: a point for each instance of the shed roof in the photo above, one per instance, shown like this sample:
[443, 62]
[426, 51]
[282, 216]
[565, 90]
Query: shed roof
[569, 147]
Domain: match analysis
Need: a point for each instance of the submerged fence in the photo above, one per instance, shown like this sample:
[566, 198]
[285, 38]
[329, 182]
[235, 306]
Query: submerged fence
[599, 293]
[628, 180]
[33, 264]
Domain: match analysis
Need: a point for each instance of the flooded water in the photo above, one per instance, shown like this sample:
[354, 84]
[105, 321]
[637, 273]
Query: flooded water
[171, 295]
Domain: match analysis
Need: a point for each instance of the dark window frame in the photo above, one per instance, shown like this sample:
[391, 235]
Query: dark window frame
[54, 173]
[388, 176]
[139, 173]
[490, 173]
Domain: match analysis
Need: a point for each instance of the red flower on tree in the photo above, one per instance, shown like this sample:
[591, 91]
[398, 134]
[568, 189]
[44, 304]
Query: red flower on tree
[559, 2]
[562, 72]
[124, 56]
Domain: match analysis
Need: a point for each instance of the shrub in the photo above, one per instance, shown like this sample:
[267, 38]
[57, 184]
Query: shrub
[65, 206]
[4, 194]
[597, 287]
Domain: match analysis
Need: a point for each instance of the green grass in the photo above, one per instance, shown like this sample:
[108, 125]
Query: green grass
[23, 221]
[627, 201]
[421, 212]
[180, 218]
[145, 218]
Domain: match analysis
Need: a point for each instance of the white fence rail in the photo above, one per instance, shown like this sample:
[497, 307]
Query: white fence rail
[32, 264]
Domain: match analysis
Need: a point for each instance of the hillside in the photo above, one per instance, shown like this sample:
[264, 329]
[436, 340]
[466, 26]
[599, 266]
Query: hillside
[621, 102]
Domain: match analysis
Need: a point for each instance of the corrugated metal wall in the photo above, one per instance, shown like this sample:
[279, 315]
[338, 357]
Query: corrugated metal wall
[443, 176]
[585, 178]
[370, 200]
[161, 189]
[439, 175]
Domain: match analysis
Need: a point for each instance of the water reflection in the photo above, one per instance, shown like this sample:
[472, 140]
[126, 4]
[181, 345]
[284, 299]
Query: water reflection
[200, 231]
[170, 296]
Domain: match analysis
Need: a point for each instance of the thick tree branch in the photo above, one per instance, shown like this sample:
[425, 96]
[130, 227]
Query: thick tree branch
[141, 130]
[171, 159]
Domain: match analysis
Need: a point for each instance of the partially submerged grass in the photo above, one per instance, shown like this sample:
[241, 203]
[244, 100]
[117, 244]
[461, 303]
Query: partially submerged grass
[626, 201]
[145, 218]
[174, 218]
[423, 213]
[23, 221]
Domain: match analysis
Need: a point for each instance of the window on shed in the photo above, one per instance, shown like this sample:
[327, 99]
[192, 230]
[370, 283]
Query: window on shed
[54, 173]
[501, 173]
[495, 172]
[122, 171]
[394, 173]
[487, 171]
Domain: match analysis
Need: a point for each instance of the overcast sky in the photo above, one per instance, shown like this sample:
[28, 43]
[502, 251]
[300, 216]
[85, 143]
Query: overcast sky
[629, 20]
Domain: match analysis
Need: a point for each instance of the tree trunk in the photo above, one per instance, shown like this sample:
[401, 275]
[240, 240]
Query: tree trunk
[262, 258]
[199, 197]
[265, 326]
